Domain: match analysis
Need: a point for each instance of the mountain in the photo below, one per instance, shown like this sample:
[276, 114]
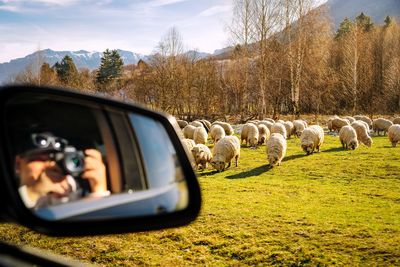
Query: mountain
[376, 9]
[82, 59]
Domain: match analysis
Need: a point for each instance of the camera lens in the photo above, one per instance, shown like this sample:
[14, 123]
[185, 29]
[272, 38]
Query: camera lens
[74, 162]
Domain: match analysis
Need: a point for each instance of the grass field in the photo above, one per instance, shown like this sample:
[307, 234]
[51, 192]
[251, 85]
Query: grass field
[335, 207]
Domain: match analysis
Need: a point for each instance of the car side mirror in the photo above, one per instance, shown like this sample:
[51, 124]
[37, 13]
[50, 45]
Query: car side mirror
[77, 164]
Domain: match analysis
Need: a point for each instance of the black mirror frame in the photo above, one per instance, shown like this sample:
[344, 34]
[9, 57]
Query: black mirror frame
[14, 210]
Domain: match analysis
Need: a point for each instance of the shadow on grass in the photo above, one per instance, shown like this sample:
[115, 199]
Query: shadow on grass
[252, 172]
[333, 149]
[296, 156]
[206, 173]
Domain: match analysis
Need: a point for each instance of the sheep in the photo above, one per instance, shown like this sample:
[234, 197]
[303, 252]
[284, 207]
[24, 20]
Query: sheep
[365, 119]
[188, 131]
[394, 134]
[266, 123]
[381, 124]
[299, 126]
[312, 138]
[338, 123]
[362, 133]
[207, 124]
[279, 128]
[348, 137]
[196, 124]
[204, 124]
[396, 120]
[270, 120]
[276, 149]
[200, 135]
[365, 124]
[264, 134]
[249, 134]
[350, 119]
[202, 155]
[217, 132]
[227, 127]
[224, 151]
[182, 123]
[280, 121]
[188, 143]
[289, 128]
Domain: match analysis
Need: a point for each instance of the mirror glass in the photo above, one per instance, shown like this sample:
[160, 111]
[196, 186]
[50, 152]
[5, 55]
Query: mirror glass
[77, 161]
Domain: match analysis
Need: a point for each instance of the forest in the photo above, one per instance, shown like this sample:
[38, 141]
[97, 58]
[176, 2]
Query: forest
[286, 58]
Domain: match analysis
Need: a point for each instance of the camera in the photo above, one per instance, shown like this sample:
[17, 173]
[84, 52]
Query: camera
[71, 161]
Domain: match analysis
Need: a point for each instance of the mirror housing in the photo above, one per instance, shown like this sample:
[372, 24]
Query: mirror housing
[15, 210]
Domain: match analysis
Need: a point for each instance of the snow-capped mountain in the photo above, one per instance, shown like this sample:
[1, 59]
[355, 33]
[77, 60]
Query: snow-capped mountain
[82, 59]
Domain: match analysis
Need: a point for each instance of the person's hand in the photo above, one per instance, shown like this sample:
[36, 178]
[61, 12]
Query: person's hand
[95, 171]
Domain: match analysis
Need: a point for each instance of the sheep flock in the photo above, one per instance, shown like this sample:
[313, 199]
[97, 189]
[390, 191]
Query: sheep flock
[226, 141]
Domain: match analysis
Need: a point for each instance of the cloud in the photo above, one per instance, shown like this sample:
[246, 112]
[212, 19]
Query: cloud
[215, 10]
[159, 3]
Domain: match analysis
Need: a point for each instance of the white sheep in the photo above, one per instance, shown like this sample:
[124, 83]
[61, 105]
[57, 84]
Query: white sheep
[188, 143]
[276, 149]
[202, 155]
[363, 137]
[329, 122]
[266, 123]
[206, 124]
[224, 151]
[348, 137]
[394, 134]
[338, 123]
[312, 139]
[200, 135]
[365, 119]
[270, 120]
[350, 119]
[381, 124]
[299, 126]
[249, 134]
[217, 132]
[280, 121]
[196, 124]
[289, 128]
[227, 127]
[264, 134]
[279, 128]
[188, 131]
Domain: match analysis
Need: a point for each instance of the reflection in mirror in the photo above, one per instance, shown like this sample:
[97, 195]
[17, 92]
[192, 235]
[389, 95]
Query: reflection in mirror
[80, 161]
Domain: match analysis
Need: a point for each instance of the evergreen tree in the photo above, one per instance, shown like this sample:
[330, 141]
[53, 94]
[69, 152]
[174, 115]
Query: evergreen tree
[365, 22]
[66, 71]
[344, 28]
[110, 68]
[388, 21]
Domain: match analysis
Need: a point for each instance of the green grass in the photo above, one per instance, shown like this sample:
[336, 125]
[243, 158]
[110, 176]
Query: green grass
[335, 207]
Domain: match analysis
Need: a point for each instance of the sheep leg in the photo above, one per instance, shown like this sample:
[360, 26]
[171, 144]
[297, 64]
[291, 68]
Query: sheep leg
[236, 161]
[229, 164]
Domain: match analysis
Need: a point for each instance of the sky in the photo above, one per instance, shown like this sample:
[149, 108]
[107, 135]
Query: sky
[94, 25]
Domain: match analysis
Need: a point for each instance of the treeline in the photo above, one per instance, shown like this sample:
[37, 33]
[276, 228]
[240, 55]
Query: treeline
[285, 60]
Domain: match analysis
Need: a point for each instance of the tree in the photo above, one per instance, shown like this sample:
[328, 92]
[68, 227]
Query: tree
[110, 70]
[67, 72]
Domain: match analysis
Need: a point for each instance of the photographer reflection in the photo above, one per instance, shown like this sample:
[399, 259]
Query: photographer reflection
[52, 172]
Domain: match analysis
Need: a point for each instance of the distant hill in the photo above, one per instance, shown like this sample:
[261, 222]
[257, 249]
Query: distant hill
[376, 9]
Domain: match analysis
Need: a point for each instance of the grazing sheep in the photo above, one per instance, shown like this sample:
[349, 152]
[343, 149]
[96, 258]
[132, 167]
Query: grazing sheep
[289, 128]
[394, 134]
[365, 119]
[279, 128]
[270, 120]
[250, 134]
[224, 151]
[348, 137]
[264, 134]
[267, 123]
[350, 119]
[396, 120]
[207, 124]
[200, 135]
[254, 121]
[227, 127]
[312, 138]
[338, 123]
[182, 123]
[329, 122]
[276, 149]
[361, 128]
[202, 155]
[196, 124]
[188, 131]
[188, 143]
[299, 126]
[381, 124]
[217, 132]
